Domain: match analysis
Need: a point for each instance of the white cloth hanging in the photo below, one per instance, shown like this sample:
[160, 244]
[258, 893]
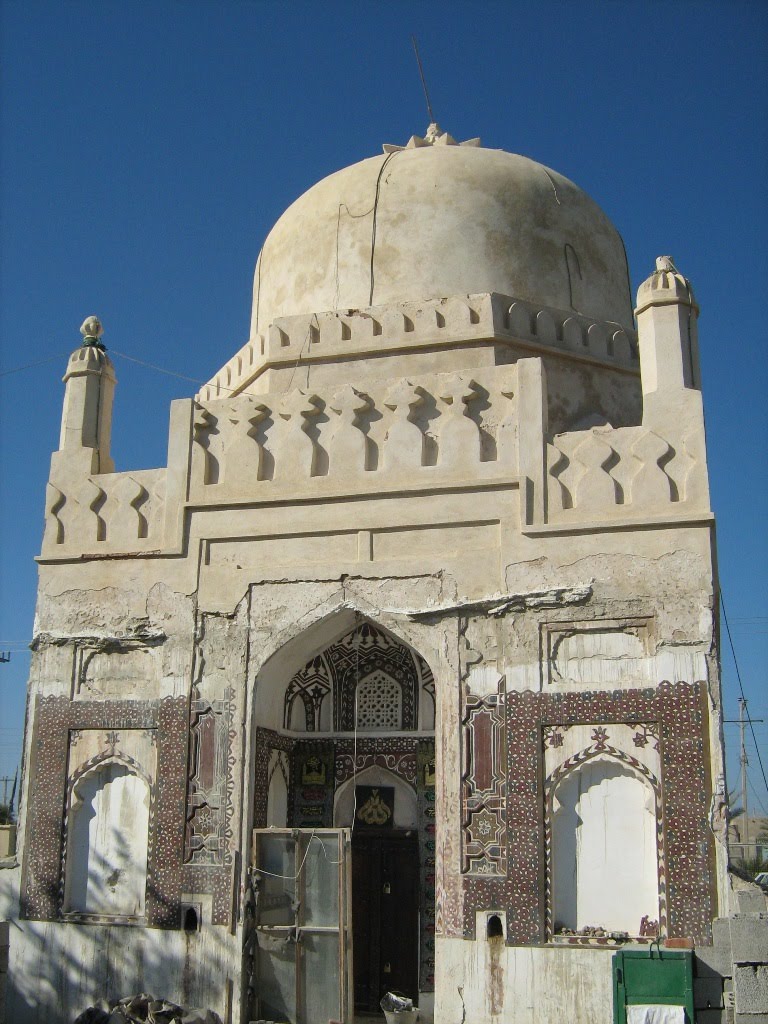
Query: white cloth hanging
[656, 1013]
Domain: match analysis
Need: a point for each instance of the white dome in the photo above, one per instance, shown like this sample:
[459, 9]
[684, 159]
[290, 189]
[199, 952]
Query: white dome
[442, 220]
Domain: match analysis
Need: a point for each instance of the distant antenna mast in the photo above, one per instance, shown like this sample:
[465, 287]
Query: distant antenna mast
[423, 81]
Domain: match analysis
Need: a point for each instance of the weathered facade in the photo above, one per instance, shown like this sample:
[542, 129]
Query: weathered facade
[431, 560]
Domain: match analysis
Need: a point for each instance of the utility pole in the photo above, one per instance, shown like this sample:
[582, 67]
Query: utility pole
[5, 780]
[742, 721]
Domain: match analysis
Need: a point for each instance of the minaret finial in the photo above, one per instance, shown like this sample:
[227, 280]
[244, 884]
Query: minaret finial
[92, 331]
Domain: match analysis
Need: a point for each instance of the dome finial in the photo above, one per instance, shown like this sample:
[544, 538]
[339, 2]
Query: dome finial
[434, 136]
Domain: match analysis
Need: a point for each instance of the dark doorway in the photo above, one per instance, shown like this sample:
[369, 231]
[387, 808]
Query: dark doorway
[385, 916]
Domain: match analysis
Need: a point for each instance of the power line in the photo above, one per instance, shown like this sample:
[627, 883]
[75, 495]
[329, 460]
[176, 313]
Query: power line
[31, 366]
[160, 369]
[741, 689]
[756, 795]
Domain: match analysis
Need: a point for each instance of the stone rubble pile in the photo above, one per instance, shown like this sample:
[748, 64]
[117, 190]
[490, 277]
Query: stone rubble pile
[145, 1009]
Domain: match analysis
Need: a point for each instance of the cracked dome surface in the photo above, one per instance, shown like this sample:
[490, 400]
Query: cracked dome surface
[435, 221]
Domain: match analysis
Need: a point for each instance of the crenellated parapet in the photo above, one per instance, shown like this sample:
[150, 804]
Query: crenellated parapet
[607, 473]
[115, 511]
[387, 436]
[435, 323]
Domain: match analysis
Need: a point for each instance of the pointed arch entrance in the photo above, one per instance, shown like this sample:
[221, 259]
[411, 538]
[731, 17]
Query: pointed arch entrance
[345, 738]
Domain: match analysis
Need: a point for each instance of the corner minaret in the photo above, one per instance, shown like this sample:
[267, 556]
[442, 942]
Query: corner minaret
[667, 336]
[86, 421]
[667, 315]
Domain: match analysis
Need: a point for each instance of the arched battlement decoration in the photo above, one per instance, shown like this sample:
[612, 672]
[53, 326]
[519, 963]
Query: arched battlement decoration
[601, 751]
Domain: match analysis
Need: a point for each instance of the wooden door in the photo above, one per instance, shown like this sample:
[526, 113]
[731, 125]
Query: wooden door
[385, 916]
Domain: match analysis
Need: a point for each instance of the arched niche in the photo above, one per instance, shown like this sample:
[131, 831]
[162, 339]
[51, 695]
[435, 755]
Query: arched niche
[406, 809]
[107, 838]
[604, 856]
[277, 792]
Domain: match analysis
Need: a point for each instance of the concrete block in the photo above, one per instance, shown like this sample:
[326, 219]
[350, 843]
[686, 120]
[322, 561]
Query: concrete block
[749, 939]
[713, 961]
[721, 931]
[752, 901]
[751, 1018]
[751, 985]
[707, 993]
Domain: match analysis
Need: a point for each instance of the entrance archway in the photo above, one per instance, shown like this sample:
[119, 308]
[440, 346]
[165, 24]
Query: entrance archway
[348, 742]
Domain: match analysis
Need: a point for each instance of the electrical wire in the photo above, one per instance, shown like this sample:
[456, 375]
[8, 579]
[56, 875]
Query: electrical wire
[290, 878]
[741, 689]
[386, 160]
[160, 369]
[756, 795]
[31, 366]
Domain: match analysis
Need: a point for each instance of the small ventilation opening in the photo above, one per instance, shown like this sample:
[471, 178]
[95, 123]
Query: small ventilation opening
[494, 928]
[191, 920]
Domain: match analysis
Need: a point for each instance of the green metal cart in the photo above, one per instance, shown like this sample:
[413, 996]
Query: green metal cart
[655, 976]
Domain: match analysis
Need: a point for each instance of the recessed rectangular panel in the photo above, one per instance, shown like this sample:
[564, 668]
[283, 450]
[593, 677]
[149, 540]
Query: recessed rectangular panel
[446, 541]
[297, 549]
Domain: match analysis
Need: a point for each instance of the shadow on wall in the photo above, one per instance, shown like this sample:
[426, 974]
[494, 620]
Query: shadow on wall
[58, 969]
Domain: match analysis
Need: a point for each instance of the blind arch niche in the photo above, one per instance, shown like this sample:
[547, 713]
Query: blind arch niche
[108, 829]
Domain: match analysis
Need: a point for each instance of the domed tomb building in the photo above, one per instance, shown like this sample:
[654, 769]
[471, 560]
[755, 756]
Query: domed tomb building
[401, 674]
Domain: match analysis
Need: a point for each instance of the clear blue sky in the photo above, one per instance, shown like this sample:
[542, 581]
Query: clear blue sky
[147, 148]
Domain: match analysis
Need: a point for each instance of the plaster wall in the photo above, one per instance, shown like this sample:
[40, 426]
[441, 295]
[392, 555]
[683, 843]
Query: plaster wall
[490, 983]
[53, 965]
